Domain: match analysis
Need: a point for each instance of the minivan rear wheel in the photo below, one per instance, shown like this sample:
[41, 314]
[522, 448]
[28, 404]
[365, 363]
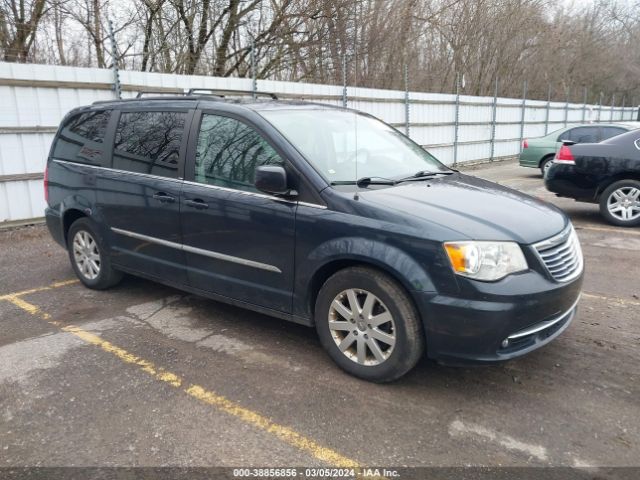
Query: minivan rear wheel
[368, 324]
[89, 257]
[620, 203]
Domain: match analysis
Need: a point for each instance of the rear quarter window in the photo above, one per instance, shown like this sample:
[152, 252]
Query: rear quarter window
[149, 142]
[609, 132]
[81, 138]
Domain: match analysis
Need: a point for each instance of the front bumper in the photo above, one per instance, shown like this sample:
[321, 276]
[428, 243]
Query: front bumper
[528, 310]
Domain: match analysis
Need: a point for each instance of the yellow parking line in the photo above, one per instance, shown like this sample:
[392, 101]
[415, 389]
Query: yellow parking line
[221, 403]
[39, 289]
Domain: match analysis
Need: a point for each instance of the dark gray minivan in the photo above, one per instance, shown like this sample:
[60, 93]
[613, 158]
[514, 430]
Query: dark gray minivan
[320, 215]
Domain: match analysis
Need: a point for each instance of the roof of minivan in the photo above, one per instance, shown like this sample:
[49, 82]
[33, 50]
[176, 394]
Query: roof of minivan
[249, 103]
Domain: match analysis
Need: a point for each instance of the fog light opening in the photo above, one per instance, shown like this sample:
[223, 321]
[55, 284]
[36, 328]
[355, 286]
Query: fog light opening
[505, 343]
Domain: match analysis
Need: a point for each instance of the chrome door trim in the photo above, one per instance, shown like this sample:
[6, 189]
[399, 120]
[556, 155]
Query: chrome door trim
[115, 170]
[188, 182]
[241, 192]
[198, 251]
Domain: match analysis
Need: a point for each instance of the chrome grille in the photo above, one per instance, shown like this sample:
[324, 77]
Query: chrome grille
[561, 255]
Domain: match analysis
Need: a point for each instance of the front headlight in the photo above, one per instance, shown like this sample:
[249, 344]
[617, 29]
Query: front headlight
[485, 260]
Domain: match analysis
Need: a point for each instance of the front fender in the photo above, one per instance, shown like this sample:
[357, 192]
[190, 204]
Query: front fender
[388, 258]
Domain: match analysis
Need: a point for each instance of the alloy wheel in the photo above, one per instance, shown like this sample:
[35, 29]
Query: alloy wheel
[624, 203]
[86, 255]
[362, 327]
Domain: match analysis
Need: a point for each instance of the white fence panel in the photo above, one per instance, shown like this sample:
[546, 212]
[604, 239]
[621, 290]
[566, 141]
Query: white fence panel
[36, 97]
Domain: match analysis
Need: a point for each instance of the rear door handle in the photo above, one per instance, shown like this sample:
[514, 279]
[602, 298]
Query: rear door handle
[162, 197]
[196, 203]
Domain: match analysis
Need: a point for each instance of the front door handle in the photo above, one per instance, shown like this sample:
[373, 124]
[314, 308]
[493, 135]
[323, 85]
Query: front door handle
[196, 203]
[162, 197]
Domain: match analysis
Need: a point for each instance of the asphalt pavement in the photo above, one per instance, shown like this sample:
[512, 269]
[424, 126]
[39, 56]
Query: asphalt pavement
[146, 375]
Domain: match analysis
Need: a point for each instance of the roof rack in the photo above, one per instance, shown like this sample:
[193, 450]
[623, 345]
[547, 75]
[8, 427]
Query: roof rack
[223, 93]
[207, 91]
[142, 93]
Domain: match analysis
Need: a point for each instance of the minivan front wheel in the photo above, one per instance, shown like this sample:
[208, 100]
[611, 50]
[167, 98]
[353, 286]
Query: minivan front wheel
[368, 324]
[620, 203]
[89, 258]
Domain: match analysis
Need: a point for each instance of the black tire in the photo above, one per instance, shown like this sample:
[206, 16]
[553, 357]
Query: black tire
[406, 327]
[545, 163]
[607, 196]
[106, 276]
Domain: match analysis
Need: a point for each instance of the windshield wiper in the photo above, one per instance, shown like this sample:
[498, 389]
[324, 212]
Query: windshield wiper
[423, 175]
[364, 182]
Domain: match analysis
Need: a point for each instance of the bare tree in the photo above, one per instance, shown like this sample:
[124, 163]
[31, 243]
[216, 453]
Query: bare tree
[19, 20]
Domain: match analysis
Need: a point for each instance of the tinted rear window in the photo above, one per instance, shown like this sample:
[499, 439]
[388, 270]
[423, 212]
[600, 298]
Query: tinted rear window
[81, 138]
[149, 142]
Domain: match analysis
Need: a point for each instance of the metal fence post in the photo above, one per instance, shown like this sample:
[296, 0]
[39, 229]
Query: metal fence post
[344, 81]
[546, 118]
[117, 86]
[254, 75]
[456, 122]
[566, 108]
[600, 106]
[493, 121]
[584, 105]
[523, 111]
[613, 101]
[406, 100]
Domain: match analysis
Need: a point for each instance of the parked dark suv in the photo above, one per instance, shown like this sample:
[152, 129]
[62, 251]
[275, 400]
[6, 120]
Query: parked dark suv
[319, 215]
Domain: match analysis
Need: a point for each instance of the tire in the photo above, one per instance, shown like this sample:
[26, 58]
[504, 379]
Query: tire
[545, 164]
[89, 256]
[620, 203]
[389, 300]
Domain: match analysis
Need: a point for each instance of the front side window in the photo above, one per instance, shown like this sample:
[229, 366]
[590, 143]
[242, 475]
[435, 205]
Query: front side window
[229, 151]
[149, 142]
[81, 139]
[344, 145]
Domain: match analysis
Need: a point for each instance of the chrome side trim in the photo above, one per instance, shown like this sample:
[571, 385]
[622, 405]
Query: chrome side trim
[198, 251]
[312, 205]
[544, 325]
[188, 182]
[241, 192]
[115, 170]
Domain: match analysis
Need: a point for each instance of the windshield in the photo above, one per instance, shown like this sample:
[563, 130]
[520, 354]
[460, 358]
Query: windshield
[344, 146]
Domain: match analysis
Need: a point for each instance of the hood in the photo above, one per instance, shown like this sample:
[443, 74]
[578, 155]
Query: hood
[474, 208]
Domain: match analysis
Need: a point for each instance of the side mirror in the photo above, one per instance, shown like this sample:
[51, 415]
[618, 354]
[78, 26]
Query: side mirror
[568, 142]
[272, 179]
